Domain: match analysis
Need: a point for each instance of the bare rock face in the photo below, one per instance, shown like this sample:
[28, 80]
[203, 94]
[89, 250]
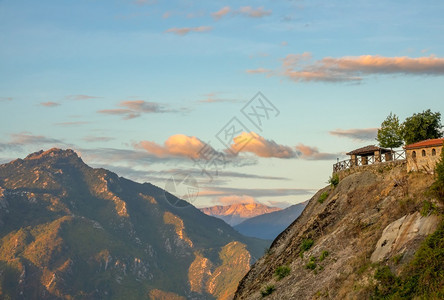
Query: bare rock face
[399, 233]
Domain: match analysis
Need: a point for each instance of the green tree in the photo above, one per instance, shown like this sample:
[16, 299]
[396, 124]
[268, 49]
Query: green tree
[390, 134]
[422, 126]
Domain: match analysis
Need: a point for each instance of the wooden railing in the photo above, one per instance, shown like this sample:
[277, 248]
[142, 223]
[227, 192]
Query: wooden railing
[368, 160]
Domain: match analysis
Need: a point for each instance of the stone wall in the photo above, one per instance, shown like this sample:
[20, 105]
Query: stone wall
[424, 160]
[374, 168]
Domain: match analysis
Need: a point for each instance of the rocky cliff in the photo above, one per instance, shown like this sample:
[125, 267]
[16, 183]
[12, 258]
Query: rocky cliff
[364, 238]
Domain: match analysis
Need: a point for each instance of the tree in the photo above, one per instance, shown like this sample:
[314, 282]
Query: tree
[422, 126]
[390, 134]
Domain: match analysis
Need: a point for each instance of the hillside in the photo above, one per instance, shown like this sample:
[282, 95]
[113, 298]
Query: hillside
[237, 213]
[363, 239]
[268, 226]
[68, 231]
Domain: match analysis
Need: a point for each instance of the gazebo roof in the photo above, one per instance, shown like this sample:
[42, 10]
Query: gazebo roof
[425, 144]
[368, 150]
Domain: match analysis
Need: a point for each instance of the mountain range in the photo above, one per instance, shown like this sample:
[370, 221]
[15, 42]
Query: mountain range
[236, 213]
[69, 231]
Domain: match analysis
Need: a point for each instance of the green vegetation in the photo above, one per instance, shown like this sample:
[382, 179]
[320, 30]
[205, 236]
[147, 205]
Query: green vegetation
[306, 244]
[397, 258]
[322, 197]
[390, 133]
[282, 271]
[422, 278]
[427, 208]
[311, 265]
[268, 290]
[334, 180]
[324, 254]
[437, 187]
[422, 126]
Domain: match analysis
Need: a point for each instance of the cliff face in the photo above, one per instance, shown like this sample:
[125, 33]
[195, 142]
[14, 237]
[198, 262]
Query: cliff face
[70, 231]
[332, 251]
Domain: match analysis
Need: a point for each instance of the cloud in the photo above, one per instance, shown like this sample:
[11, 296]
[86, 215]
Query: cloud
[166, 15]
[255, 193]
[301, 67]
[178, 145]
[6, 99]
[25, 138]
[364, 134]
[351, 68]
[254, 143]
[235, 199]
[254, 12]
[22, 139]
[312, 153]
[247, 11]
[81, 97]
[75, 123]
[258, 71]
[222, 12]
[90, 138]
[213, 98]
[186, 30]
[49, 104]
[135, 108]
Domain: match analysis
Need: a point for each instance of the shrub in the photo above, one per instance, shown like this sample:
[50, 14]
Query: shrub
[397, 258]
[311, 263]
[322, 197]
[282, 271]
[268, 290]
[334, 180]
[324, 254]
[306, 244]
[427, 208]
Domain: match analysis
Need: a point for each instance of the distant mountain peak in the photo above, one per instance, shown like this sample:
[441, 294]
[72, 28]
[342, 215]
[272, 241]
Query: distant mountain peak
[238, 212]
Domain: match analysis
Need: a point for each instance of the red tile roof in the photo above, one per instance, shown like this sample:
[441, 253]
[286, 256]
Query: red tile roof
[368, 150]
[425, 144]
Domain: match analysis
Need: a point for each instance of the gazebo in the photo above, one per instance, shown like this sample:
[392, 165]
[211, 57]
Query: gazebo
[369, 155]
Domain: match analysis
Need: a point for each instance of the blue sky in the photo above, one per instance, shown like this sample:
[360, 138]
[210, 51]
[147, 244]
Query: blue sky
[116, 80]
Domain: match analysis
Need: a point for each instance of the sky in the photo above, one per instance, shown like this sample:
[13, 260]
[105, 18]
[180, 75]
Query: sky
[254, 100]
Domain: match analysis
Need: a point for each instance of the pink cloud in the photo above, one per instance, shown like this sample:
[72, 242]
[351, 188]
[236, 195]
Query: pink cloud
[254, 12]
[134, 108]
[254, 143]
[49, 104]
[186, 30]
[258, 71]
[351, 68]
[301, 67]
[222, 12]
[313, 153]
[178, 145]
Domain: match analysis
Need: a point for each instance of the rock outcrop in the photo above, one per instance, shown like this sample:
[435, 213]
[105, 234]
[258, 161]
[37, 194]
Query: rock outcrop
[333, 249]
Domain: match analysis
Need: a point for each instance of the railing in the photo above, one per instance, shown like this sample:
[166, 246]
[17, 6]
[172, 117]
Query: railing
[369, 160]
